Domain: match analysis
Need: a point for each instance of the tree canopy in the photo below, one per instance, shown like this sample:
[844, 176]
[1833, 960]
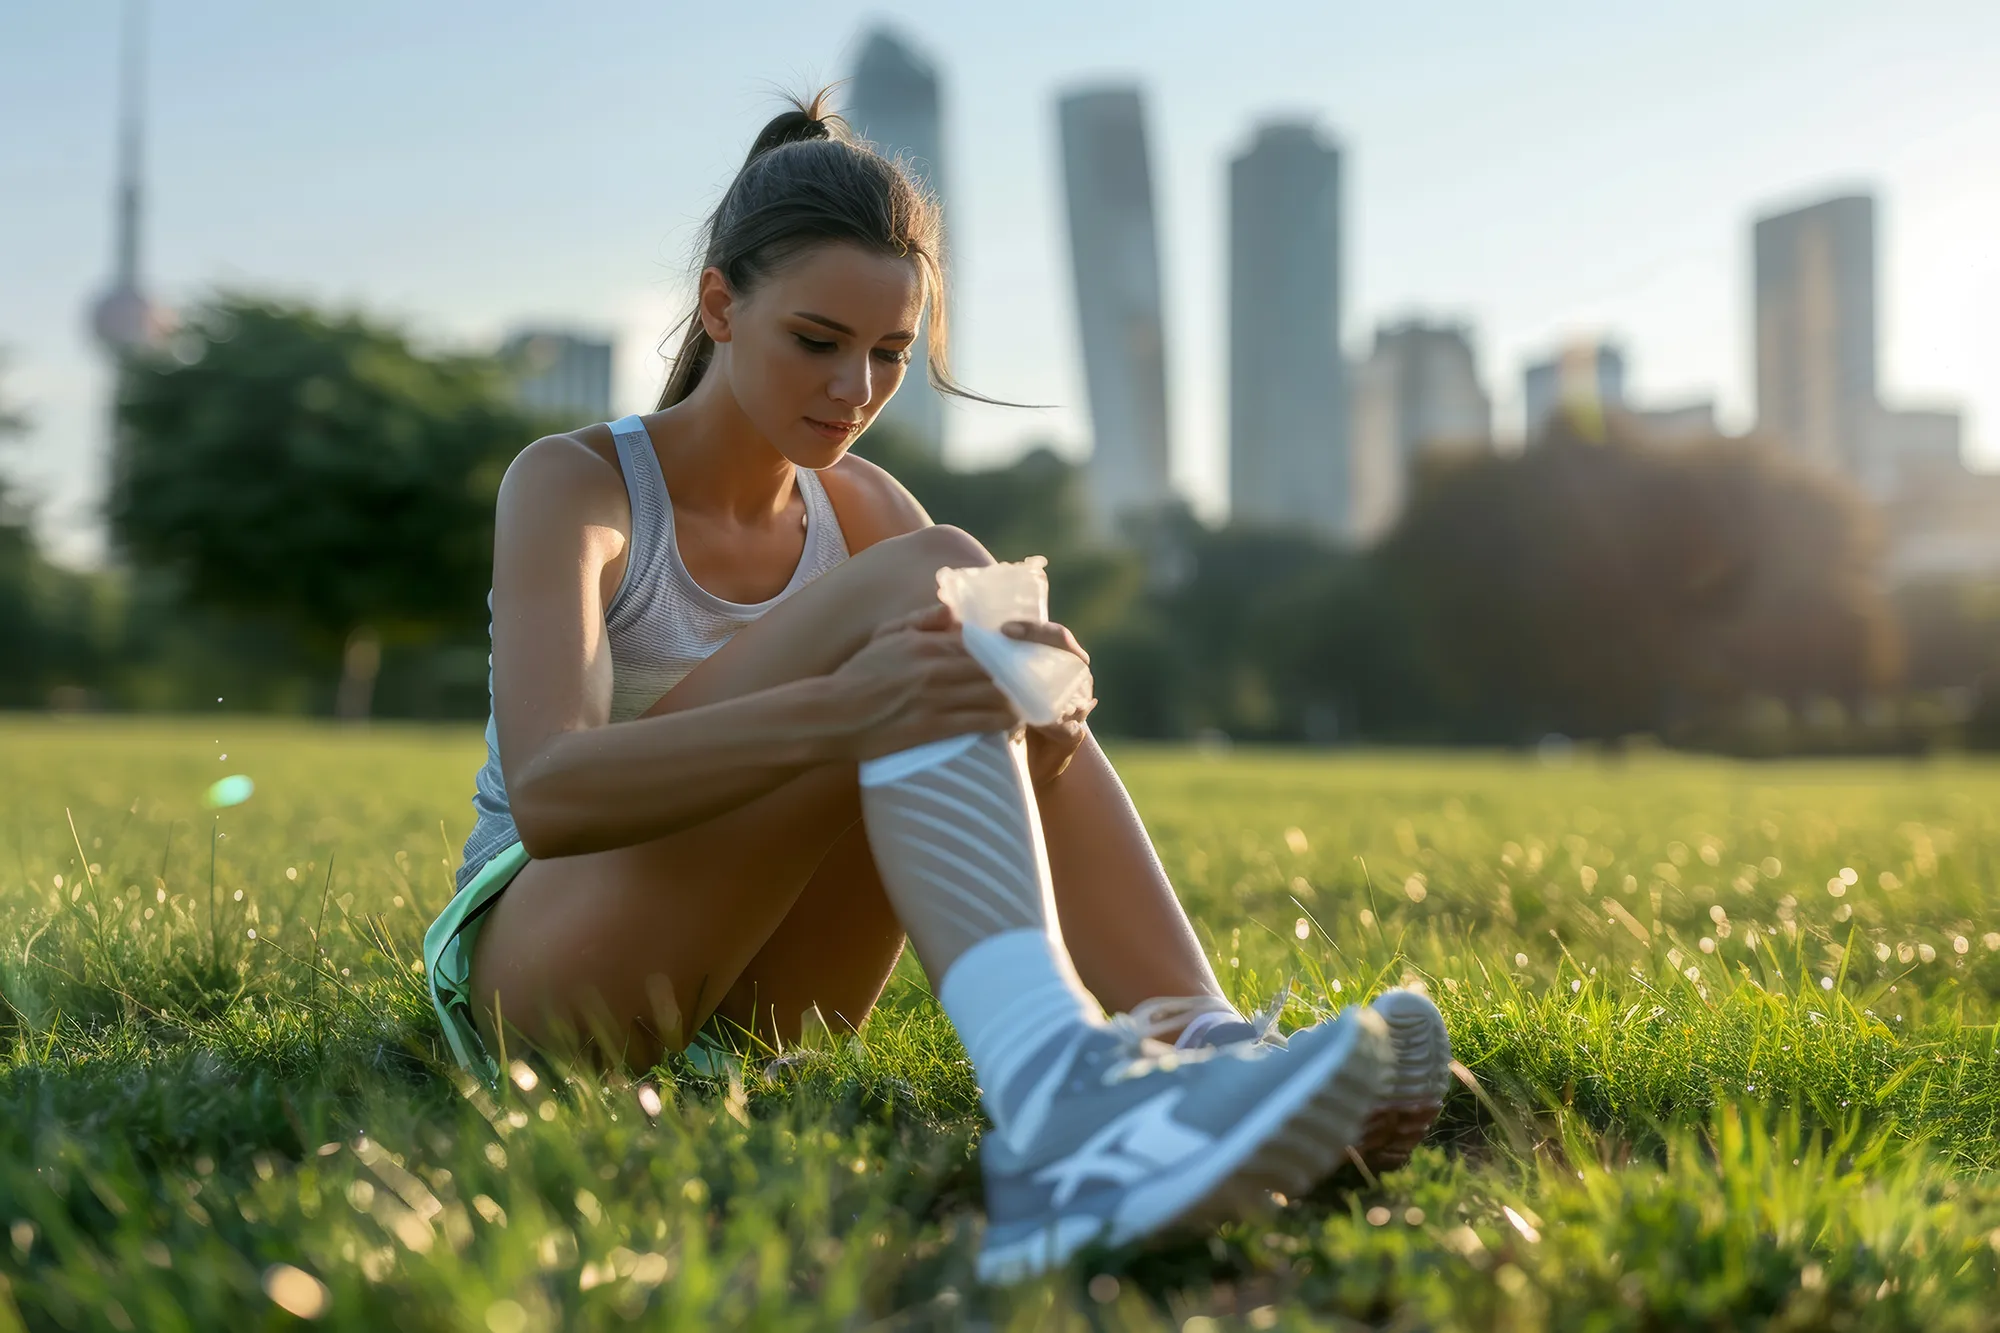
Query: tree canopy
[314, 470]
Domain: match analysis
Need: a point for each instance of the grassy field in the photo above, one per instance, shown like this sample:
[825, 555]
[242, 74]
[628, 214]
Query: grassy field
[1732, 1029]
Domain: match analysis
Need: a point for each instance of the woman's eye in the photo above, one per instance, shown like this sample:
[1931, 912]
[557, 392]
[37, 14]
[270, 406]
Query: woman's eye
[894, 358]
[813, 344]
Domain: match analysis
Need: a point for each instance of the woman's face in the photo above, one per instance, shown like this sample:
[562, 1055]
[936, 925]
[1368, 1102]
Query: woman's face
[816, 349]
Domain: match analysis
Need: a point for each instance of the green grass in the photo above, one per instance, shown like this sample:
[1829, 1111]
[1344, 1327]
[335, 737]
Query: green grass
[1718, 1085]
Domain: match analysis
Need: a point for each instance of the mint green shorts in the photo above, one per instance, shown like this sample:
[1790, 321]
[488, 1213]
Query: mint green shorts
[448, 959]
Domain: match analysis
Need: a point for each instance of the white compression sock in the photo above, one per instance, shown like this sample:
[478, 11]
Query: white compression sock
[958, 842]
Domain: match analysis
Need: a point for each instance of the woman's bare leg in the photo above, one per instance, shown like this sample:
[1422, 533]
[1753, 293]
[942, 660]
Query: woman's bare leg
[835, 949]
[1126, 931]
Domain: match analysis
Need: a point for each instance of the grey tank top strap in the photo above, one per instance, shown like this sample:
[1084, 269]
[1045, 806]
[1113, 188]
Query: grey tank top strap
[660, 623]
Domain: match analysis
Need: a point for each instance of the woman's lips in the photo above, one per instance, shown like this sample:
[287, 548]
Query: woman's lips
[833, 430]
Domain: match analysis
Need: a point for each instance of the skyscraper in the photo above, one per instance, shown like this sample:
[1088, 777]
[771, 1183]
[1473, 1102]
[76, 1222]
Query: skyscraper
[1115, 252]
[1586, 379]
[894, 104]
[561, 375]
[1419, 390]
[1289, 463]
[124, 318]
[1815, 333]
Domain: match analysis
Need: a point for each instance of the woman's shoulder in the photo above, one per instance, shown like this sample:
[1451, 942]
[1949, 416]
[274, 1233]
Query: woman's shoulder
[564, 482]
[871, 504]
[577, 465]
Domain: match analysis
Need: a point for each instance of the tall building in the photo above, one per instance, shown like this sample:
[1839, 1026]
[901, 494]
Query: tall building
[125, 319]
[1683, 423]
[1586, 378]
[1418, 391]
[1115, 253]
[894, 104]
[1920, 442]
[560, 375]
[1815, 333]
[1289, 462]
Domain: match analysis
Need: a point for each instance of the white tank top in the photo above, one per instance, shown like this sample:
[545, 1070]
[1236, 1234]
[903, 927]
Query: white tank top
[661, 623]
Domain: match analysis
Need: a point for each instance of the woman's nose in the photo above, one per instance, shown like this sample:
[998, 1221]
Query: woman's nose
[853, 384]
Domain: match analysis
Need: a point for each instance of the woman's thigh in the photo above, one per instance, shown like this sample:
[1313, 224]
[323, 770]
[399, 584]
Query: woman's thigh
[636, 946]
[834, 950]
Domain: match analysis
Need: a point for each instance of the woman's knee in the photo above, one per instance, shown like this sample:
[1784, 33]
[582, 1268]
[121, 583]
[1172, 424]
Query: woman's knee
[908, 565]
[940, 546]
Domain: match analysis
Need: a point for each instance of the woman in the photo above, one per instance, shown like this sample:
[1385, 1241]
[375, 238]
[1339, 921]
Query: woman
[738, 751]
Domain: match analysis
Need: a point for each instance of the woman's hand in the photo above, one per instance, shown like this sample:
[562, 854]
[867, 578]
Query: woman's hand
[913, 683]
[1051, 748]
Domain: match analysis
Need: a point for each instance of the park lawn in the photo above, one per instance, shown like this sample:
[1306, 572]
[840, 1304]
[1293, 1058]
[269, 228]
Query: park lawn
[1732, 1029]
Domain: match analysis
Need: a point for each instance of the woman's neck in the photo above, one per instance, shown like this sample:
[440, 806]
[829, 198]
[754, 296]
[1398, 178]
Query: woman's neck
[715, 461]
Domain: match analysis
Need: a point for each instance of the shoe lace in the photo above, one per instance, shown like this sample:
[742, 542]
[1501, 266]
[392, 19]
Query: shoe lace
[1154, 1018]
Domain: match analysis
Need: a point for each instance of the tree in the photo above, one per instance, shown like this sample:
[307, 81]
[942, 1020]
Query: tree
[1598, 589]
[316, 472]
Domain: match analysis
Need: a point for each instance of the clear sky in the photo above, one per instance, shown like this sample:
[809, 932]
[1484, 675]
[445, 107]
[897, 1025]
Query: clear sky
[1537, 169]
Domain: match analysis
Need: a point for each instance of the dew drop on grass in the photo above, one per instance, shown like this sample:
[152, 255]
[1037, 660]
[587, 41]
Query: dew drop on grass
[1826, 983]
[1926, 952]
[291, 872]
[1302, 929]
[293, 1290]
[1520, 1224]
[1959, 944]
[1520, 960]
[1378, 1216]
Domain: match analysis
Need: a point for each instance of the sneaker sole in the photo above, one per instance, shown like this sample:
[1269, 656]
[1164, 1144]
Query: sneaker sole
[1298, 1134]
[1420, 1074]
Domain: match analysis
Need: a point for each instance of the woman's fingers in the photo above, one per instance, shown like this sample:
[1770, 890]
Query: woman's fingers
[1045, 631]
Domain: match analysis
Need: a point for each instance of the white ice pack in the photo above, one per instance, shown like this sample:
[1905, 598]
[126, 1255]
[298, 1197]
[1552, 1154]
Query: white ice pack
[1042, 682]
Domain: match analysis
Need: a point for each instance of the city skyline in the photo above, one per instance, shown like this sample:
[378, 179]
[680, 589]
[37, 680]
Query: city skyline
[348, 183]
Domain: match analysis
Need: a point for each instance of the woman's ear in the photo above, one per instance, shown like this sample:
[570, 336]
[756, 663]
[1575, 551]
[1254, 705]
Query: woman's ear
[715, 304]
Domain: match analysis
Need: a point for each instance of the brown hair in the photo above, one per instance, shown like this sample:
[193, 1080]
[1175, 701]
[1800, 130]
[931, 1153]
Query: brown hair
[806, 182]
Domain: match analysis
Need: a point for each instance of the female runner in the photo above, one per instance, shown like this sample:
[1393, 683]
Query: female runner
[738, 751]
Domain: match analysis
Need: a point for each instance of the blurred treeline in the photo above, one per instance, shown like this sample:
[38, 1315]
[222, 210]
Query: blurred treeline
[302, 507]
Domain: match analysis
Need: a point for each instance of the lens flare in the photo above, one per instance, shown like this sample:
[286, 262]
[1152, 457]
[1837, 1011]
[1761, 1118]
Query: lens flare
[232, 790]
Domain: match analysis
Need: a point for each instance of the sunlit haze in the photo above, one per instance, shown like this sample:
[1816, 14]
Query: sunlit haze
[1536, 170]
